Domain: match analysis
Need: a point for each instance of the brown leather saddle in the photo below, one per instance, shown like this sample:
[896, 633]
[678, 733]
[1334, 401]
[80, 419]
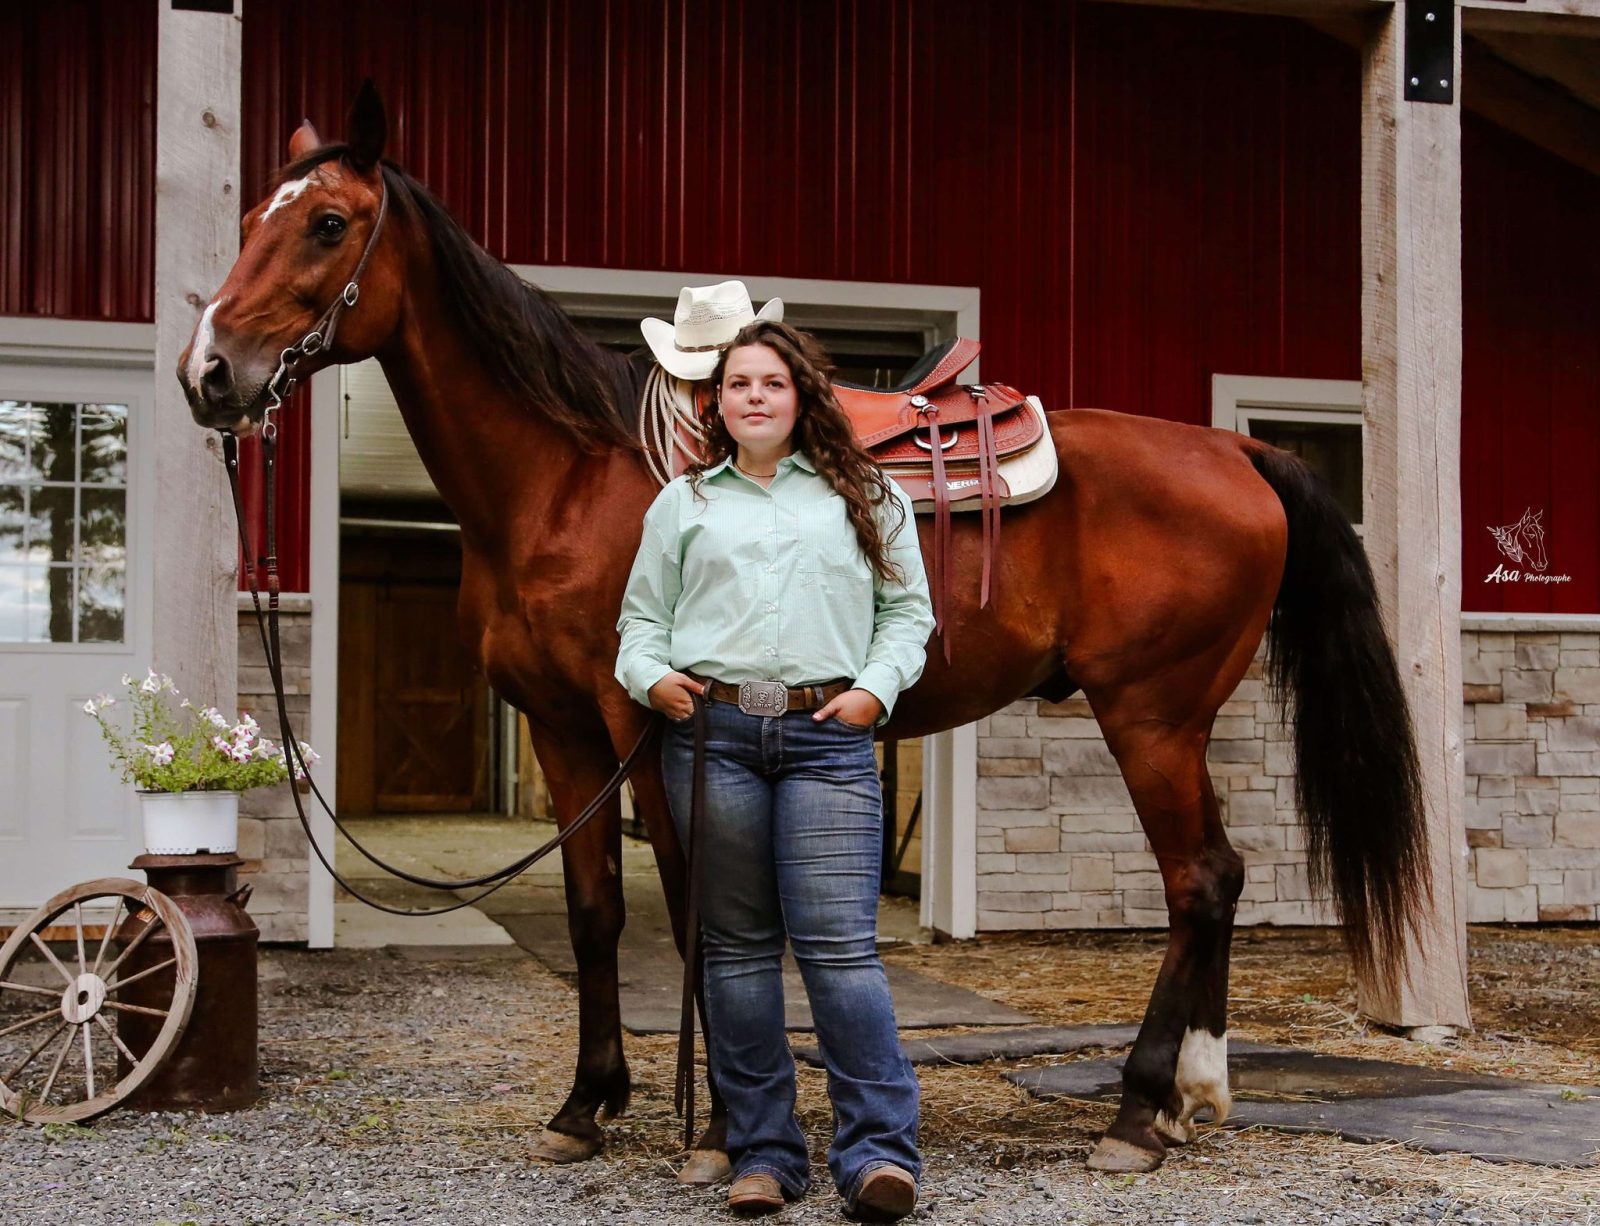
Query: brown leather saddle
[942, 442]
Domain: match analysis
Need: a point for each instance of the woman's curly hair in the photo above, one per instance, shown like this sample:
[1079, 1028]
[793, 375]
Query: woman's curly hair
[821, 430]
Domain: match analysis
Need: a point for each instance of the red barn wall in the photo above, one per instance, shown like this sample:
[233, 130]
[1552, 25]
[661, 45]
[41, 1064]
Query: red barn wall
[1146, 197]
[1530, 414]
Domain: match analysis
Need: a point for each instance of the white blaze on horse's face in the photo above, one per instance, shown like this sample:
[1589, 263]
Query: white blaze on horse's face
[200, 343]
[286, 194]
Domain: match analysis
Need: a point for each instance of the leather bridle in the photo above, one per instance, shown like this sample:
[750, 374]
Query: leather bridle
[320, 337]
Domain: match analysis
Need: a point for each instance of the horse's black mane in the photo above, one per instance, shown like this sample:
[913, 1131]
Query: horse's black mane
[529, 343]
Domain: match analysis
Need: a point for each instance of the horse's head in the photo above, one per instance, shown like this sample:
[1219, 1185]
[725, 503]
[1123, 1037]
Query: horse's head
[299, 250]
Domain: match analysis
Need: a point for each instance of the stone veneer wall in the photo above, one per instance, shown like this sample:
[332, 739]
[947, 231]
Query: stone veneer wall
[1059, 844]
[270, 840]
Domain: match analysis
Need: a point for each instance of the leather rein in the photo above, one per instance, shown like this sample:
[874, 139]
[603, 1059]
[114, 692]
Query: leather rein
[278, 389]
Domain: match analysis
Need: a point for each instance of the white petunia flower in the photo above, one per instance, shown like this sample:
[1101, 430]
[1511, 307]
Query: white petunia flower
[89, 708]
[308, 755]
[214, 717]
[248, 721]
[222, 745]
[102, 701]
[239, 753]
[160, 755]
[126, 680]
[151, 684]
[166, 683]
[242, 734]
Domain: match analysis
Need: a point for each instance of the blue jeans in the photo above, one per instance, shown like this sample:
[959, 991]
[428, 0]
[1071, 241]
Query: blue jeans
[794, 843]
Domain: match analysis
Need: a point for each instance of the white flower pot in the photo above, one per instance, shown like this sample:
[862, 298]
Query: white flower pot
[190, 823]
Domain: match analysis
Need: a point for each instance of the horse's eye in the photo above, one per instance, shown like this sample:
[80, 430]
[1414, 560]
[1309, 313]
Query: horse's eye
[329, 228]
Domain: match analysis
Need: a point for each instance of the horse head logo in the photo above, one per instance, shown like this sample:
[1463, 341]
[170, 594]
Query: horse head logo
[1523, 541]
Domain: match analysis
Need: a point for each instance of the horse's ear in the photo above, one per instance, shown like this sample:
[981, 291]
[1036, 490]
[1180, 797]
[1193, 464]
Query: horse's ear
[367, 128]
[304, 140]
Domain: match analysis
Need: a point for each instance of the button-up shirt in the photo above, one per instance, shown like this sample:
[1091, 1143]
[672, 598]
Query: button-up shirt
[745, 583]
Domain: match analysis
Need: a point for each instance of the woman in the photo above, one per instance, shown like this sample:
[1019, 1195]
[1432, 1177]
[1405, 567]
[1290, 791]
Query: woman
[787, 557]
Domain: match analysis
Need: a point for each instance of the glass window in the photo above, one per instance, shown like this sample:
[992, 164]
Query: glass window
[63, 522]
[1332, 450]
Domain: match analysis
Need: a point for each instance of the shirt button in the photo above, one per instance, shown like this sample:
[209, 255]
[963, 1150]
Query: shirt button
[772, 570]
[771, 608]
[772, 651]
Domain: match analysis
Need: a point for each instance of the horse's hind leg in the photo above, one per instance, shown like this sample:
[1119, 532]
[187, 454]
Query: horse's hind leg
[1179, 1061]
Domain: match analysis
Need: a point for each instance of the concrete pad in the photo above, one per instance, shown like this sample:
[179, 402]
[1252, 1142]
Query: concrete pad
[1436, 1110]
[358, 926]
[1003, 1044]
[651, 980]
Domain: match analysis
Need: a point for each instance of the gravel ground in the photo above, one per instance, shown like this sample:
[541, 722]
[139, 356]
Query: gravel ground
[403, 1087]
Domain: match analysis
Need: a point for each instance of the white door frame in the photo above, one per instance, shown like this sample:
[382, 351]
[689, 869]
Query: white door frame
[950, 760]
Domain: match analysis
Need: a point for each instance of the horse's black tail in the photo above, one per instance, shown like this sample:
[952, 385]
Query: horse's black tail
[1358, 783]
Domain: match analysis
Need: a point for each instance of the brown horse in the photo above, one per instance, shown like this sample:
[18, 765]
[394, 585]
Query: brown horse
[1145, 580]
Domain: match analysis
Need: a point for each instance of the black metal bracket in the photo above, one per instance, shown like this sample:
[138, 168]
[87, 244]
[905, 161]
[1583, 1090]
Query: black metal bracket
[1430, 51]
[203, 6]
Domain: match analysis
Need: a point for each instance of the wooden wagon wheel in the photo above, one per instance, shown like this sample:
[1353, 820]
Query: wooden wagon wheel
[79, 1004]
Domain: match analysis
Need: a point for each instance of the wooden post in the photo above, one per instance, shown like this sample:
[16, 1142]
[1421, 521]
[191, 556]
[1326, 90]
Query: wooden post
[1411, 364]
[197, 240]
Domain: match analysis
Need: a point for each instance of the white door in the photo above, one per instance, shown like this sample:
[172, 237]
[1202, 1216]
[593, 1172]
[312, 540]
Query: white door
[75, 607]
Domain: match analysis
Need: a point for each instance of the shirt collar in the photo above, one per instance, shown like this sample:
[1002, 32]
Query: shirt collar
[800, 459]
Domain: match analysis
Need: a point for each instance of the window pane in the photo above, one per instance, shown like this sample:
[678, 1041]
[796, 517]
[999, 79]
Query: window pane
[12, 499]
[102, 529]
[101, 600]
[49, 524]
[1332, 450]
[24, 605]
[13, 440]
[105, 443]
[52, 448]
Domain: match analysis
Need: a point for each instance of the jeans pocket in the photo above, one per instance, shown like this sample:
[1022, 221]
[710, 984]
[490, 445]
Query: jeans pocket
[844, 723]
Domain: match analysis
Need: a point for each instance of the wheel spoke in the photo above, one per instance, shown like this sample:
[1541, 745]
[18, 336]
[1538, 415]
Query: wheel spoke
[29, 989]
[32, 1021]
[155, 921]
[144, 974]
[88, 1062]
[117, 1039]
[54, 961]
[83, 962]
[122, 1008]
[105, 940]
[29, 1058]
[44, 1094]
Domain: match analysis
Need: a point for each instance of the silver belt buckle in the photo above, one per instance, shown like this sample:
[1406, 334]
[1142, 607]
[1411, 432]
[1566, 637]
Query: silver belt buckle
[763, 697]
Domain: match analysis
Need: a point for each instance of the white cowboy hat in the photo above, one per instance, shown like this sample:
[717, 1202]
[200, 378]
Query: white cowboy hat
[706, 321]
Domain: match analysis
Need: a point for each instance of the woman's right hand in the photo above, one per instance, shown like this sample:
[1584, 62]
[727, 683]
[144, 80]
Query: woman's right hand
[672, 695]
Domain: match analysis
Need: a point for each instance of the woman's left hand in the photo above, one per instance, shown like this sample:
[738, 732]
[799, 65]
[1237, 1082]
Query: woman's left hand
[858, 707]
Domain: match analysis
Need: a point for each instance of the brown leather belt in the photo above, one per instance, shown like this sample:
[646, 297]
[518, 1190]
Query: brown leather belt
[762, 697]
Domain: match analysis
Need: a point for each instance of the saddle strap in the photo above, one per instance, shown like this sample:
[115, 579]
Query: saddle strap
[988, 473]
[941, 530]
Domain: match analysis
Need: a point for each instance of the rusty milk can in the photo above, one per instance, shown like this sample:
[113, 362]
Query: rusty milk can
[214, 1066]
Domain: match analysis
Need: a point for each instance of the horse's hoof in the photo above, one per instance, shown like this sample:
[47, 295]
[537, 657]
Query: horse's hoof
[705, 1168]
[1121, 1158]
[562, 1148]
[1174, 1131]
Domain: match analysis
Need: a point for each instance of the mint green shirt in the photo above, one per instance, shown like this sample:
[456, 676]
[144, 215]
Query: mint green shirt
[756, 584]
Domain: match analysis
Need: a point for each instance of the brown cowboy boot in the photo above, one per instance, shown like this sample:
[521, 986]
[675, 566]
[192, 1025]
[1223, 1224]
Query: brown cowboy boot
[887, 1195]
[755, 1194]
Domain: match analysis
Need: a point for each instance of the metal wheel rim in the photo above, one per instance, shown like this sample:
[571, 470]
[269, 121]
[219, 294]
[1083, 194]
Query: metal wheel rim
[134, 897]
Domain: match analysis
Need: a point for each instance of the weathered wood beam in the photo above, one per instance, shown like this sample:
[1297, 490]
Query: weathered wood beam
[1577, 18]
[1411, 387]
[1533, 109]
[1312, 9]
[197, 239]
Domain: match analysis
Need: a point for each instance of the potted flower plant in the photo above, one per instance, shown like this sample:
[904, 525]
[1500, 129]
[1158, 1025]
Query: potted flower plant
[189, 765]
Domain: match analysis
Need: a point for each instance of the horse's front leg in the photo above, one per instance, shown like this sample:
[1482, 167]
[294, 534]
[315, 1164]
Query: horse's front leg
[577, 767]
[708, 1161]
